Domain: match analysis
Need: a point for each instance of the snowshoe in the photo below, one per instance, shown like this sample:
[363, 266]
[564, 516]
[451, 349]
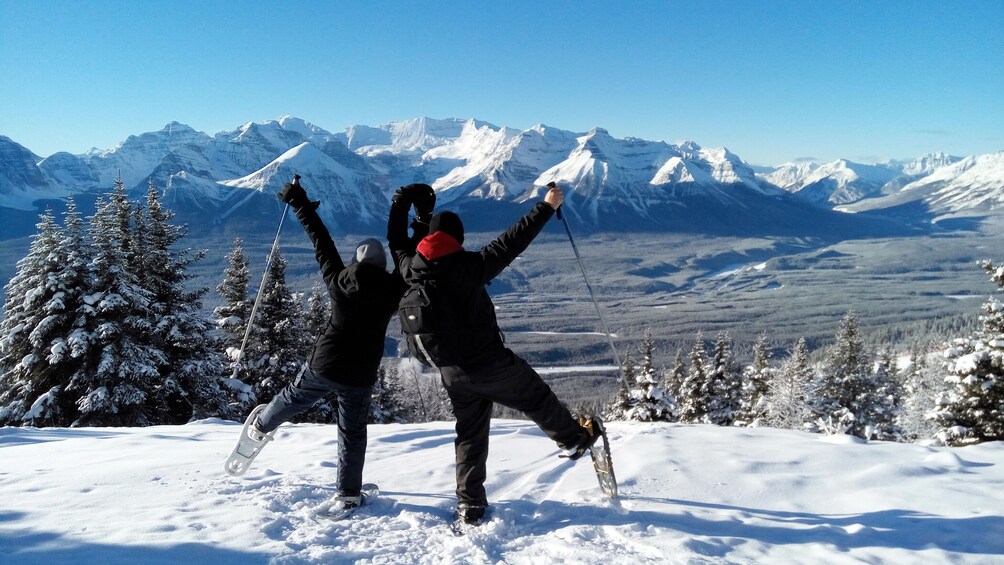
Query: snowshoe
[341, 507]
[604, 465]
[249, 445]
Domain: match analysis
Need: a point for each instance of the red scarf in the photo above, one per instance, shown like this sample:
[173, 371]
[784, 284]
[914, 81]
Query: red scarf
[438, 244]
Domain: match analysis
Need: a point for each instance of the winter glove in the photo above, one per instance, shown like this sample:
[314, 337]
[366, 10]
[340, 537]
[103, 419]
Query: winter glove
[424, 201]
[294, 195]
[412, 193]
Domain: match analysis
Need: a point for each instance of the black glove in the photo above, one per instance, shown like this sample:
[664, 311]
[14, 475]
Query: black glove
[412, 193]
[424, 201]
[294, 195]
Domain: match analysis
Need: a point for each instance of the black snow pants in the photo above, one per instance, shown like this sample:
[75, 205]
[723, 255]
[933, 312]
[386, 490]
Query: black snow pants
[511, 382]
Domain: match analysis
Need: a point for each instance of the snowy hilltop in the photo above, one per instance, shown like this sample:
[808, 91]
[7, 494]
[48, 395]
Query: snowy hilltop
[689, 494]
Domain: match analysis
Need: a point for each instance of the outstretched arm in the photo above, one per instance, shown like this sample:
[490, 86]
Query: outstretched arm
[498, 254]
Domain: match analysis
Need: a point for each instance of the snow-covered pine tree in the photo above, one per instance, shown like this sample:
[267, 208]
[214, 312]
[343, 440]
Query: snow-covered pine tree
[694, 398]
[274, 353]
[318, 312]
[755, 384]
[650, 403]
[972, 410]
[923, 384]
[787, 403]
[725, 383]
[232, 315]
[384, 408]
[39, 339]
[672, 379]
[120, 375]
[193, 386]
[884, 404]
[846, 400]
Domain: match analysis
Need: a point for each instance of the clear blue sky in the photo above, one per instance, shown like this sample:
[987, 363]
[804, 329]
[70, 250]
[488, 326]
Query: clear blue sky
[772, 81]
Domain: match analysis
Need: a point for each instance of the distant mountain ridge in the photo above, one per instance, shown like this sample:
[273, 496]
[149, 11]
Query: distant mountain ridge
[488, 171]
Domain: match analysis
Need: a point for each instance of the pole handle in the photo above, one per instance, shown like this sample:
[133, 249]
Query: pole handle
[558, 211]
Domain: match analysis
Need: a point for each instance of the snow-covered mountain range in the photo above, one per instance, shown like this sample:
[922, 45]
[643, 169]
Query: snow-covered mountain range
[488, 171]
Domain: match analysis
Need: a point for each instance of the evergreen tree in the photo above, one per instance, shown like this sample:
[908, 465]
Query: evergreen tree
[232, 316]
[755, 385]
[384, 408]
[40, 342]
[972, 410]
[884, 404]
[673, 379]
[787, 404]
[274, 353]
[649, 402]
[922, 385]
[318, 312]
[725, 385]
[694, 398]
[120, 375]
[847, 392]
[192, 386]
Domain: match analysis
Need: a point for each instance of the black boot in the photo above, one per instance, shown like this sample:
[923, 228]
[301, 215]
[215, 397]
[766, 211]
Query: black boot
[471, 512]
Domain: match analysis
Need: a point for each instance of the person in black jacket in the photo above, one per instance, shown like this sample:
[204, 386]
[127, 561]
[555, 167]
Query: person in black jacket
[487, 371]
[346, 357]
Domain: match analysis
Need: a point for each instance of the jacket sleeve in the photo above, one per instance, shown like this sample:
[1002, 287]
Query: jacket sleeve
[402, 247]
[498, 254]
[324, 247]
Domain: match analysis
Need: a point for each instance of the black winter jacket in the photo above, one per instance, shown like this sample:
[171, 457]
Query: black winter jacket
[464, 275]
[363, 298]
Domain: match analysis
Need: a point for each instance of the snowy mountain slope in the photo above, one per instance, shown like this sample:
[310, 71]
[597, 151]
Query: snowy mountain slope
[842, 181]
[349, 197]
[21, 180]
[133, 159]
[688, 494]
[971, 185]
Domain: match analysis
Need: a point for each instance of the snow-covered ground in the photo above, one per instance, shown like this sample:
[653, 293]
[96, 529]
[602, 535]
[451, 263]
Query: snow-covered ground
[689, 494]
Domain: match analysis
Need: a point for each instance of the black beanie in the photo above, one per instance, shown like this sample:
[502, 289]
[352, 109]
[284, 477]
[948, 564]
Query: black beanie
[450, 223]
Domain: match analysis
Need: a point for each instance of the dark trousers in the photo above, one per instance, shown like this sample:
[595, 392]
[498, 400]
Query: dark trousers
[510, 382]
[353, 413]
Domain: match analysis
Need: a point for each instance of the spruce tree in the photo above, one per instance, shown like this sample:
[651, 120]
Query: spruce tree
[274, 353]
[972, 409]
[884, 404]
[120, 376]
[623, 401]
[650, 403]
[232, 315]
[755, 384]
[725, 385]
[192, 386]
[694, 398]
[846, 391]
[40, 343]
[787, 395]
[923, 384]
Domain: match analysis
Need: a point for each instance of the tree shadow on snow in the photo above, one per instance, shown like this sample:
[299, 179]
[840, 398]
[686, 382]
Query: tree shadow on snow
[893, 528]
[23, 547]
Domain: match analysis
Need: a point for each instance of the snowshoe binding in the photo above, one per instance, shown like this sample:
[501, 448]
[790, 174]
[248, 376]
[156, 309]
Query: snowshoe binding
[467, 517]
[598, 447]
[249, 445]
[341, 507]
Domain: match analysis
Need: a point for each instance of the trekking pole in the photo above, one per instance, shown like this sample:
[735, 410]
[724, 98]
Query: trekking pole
[264, 276]
[592, 294]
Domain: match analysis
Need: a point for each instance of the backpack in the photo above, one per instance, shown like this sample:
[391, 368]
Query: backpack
[431, 325]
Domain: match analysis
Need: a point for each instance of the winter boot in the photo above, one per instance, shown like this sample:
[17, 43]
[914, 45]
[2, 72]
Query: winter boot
[594, 430]
[471, 512]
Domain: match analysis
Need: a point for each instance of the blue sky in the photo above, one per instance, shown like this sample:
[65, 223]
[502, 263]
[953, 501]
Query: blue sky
[772, 81]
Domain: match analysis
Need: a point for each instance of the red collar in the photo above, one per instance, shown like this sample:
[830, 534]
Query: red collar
[438, 244]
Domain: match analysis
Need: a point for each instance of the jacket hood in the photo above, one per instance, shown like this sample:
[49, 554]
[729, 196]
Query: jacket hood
[437, 245]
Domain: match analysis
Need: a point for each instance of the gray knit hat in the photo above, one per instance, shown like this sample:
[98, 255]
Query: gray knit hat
[371, 251]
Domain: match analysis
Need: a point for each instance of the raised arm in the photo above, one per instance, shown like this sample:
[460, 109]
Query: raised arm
[324, 247]
[498, 254]
[402, 247]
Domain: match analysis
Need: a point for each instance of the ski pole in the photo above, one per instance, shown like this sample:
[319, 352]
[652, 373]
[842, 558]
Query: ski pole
[592, 294]
[264, 276]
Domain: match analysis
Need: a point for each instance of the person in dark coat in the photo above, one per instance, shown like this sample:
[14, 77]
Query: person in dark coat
[346, 357]
[487, 371]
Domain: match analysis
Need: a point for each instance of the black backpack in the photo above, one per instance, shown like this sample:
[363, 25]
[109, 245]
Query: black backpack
[431, 326]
